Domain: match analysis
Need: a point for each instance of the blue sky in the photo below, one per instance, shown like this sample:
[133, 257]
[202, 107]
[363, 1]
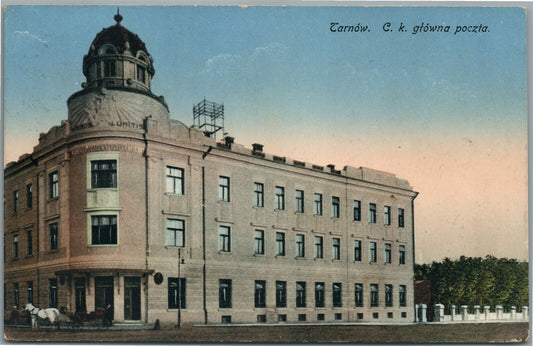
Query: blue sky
[447, 112]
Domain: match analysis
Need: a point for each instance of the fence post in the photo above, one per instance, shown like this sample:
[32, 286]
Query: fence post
[452, 310]
[486, 309]
[424, 314]
[417, 318]
[439, 313]
[525, 313]
[513, 312]
[499, 312]
[476, 308]
[464, 312]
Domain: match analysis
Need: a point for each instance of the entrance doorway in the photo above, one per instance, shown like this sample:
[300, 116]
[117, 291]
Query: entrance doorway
[132, 298]
[103, 291]
[81, 307]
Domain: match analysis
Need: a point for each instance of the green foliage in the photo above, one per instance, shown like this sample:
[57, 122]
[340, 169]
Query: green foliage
[477, 281]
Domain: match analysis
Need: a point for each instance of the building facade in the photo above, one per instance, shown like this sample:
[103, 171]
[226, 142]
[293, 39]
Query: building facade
[121, 205]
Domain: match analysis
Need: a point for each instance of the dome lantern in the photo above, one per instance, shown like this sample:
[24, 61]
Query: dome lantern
[118, 58]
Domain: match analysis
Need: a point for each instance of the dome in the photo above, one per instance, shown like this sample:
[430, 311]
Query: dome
[121, 38]
[118, 58]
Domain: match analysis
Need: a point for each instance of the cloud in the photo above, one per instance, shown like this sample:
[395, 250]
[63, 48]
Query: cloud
[221, 62]
[226, 62]
[32, 36]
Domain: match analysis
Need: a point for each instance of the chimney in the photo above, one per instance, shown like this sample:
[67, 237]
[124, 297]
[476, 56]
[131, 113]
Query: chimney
[229, 141]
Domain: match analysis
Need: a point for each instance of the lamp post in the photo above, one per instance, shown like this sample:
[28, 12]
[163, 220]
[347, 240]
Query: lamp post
[180, 262]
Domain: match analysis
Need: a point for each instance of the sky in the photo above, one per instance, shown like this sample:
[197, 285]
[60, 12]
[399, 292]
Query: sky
[445, 110]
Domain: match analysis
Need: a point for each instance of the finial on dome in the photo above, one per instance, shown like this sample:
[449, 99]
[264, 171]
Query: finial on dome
[118, 17]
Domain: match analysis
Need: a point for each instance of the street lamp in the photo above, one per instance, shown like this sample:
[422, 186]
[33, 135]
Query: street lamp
[180, 262]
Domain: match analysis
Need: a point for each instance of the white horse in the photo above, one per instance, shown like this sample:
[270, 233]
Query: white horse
[52, 314]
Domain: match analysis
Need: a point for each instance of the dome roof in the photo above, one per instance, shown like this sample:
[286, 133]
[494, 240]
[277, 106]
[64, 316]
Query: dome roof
[117, 35]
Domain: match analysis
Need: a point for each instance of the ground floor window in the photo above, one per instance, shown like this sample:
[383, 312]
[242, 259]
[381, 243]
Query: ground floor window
[30, 291]
[319, 294]
[53, 293]
[260, 294]
[176, 293]
[16, 297]
[224, 293]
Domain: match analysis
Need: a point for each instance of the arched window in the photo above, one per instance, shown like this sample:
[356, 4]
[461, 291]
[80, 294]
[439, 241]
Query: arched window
[109, 68]
[141, 74]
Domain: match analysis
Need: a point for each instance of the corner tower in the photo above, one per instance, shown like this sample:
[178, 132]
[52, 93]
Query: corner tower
[116, 93]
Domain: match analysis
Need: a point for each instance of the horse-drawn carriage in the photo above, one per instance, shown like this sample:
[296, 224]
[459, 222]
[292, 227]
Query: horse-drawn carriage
[99, 319]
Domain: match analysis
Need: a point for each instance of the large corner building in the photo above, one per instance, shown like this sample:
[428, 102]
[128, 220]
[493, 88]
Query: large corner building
[123, 205]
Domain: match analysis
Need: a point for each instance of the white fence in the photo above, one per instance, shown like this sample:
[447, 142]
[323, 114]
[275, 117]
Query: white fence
[479, 315]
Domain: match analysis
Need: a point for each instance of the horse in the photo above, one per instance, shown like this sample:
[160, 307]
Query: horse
[52, 314]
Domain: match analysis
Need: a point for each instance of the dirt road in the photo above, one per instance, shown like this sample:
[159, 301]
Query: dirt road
[421, 333]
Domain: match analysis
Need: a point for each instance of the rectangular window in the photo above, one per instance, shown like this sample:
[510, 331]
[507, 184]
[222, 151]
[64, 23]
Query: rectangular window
[224, 293]
[53, 293]
[337, 295]
[177, 293]
[224, 239]
[29, 243]
[260, 294]
[280, 244]
[402, 295]
[15, 246]
[319, 294]
[335, 207]
[16, 295]
[319, 247]
[336, 249]
[223, 189]
[141, 74]
[400, 217]
[280, 198]
[281, 294]
[103, 174]
[359, 295]
[372, 254]
[300, 245]
[317, 200]
[175, 232]
[357, 210]
[258, 195]
[299, 201]
[174, 180]
[29, 196]
[388, 295]
[104, 230]
[388, 253]
[374, 299]
[357, 250]
[301, 294]
[401, 255]
[53, 236]
[386, 216]
[15, 200]
[30, 291]
[109, 68]
[259, 242]
[372, 213]
[53, 179]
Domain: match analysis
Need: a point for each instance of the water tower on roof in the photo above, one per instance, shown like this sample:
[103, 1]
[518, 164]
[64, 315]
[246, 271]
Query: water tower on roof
[209, 116]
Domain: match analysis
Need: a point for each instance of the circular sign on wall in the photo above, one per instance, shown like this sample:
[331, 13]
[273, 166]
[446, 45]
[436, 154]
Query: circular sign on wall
[158, 278]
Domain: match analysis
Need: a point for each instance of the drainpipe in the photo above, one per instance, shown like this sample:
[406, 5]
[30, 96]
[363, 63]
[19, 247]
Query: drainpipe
[204, 270]
[146, 206]
[413, 235]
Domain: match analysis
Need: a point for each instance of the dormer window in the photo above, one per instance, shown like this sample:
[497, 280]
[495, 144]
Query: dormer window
[109, 68]
[110, 51]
